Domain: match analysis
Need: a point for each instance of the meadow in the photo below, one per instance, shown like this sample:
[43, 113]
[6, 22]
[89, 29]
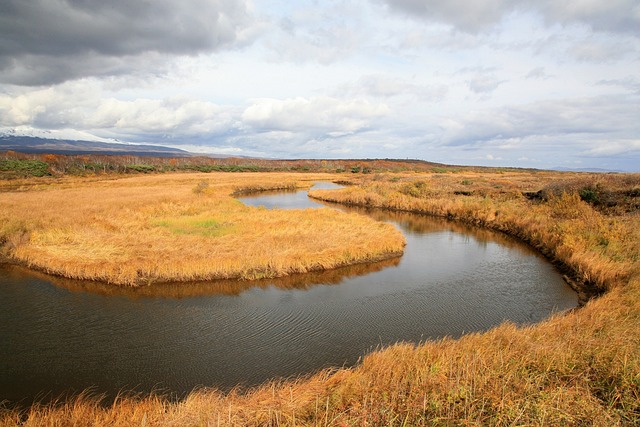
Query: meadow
[576, 368]
[181, 227]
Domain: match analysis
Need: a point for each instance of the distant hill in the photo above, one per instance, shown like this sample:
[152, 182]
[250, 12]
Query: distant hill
[596, 170]
[39, 145]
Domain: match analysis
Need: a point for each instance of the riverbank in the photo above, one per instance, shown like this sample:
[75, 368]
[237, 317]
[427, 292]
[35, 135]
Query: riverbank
[556, 220]
[577, 368]
[181, 227]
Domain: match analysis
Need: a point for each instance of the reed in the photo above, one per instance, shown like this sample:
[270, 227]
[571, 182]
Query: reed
[576, 368]
[600, 250]
[157, 229]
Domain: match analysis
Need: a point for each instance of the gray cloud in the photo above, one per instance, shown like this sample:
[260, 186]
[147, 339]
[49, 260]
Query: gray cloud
[598, 51]
[43, 41]
[629, 83]
[621, 16]
[604, 119]
[469, 16]
[537, 73]
[388, 86]
[318, 33]
[484, 84]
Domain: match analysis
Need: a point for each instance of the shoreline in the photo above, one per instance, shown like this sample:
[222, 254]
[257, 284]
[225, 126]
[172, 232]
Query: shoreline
[585, 291]
[390, 256]
[183, 228]
[577, 367]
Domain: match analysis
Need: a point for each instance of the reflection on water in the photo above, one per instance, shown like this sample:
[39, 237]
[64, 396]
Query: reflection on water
[423, 224]
[60, 335]
[288, 199]
[218, 287]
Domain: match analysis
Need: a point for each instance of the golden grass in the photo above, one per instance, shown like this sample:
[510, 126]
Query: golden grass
[600, 250]
[580, 368]
[174, 228]
[214, 287]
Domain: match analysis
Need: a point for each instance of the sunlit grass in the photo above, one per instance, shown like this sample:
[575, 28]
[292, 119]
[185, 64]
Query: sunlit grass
[157, 229]
[202, 226]
[576, 368]
[600, 250]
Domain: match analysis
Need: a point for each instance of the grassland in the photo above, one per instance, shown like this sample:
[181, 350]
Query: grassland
[575, 369]
[180, 227]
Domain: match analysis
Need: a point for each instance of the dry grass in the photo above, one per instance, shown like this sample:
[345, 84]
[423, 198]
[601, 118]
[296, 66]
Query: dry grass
[575, 369]
[175, 228]
[600, 250]
[217, 287]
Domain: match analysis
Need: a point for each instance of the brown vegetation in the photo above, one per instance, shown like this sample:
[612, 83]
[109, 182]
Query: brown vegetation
[577, 368]
[563, 219]
[163, 228]
[14, 165]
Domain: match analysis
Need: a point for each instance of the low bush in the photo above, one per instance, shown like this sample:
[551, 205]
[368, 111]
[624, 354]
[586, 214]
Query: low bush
[24, 168]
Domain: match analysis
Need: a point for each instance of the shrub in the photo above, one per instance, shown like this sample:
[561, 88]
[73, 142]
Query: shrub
[142, 168]
[589, 195]
[201, 187]
[25, 167]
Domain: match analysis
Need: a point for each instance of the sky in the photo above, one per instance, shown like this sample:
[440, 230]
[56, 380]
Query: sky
[521, 83]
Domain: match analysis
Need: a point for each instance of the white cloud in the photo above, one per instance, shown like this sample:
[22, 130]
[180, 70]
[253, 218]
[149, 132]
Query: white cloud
[599, 51]
[324, 114]
[319, 32]
[613, 16]
[82, 106]
[614, 148]
[151, 115]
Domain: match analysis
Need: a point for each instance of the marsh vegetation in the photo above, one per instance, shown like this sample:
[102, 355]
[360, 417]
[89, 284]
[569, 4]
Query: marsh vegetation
[181, 227]
[577, 368]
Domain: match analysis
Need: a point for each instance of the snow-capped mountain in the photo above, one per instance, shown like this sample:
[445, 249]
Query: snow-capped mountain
[65, 134]
[68, 141]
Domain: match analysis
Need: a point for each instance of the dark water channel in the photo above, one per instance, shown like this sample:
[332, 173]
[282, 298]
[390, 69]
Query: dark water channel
[59, 336]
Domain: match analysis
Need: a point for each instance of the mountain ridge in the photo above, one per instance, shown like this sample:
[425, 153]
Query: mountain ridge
[40, 145]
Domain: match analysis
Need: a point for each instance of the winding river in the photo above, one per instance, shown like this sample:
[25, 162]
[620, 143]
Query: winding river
[61, 336]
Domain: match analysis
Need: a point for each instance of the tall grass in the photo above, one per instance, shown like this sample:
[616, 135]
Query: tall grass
[574, 369]
[157, 229]
[600, 250]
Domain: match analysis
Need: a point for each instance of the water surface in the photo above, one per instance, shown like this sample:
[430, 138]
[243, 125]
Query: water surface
[65, 336]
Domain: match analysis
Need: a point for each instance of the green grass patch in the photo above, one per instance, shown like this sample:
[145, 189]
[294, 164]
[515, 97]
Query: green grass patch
[208, 227]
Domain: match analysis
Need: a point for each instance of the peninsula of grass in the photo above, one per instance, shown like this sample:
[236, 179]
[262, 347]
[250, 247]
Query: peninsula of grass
[579, 368]
[181, 227]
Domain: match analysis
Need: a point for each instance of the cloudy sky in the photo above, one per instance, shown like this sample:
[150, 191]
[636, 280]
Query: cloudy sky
[527, 83]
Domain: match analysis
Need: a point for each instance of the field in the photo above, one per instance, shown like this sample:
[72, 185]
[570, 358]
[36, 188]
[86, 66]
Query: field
[576, 368]
[181, 227]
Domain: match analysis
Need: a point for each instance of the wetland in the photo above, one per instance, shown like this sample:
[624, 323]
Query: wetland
[452, 279]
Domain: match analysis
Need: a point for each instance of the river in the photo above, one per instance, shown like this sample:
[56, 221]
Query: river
[62, 336]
